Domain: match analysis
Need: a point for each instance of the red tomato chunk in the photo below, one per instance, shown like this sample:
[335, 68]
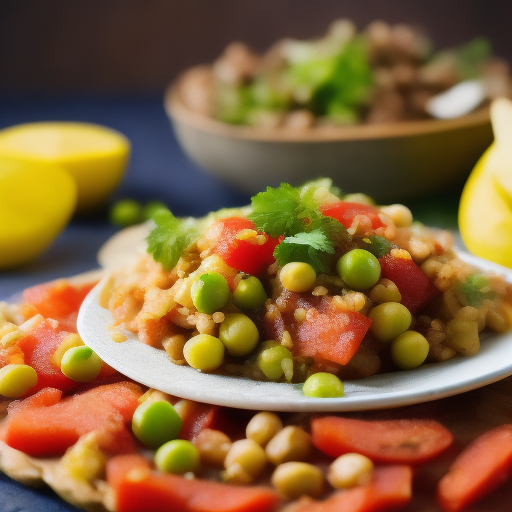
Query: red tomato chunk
[242, 255]
[345, 212]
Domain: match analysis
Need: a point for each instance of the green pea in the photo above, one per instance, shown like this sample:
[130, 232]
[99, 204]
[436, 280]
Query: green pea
[323, 385]
[155, 423]
[80, 364]
[126, 212]
[204, 352]
[239, 334]
[270, 359]
[177, 457]
[210, 293]
[409, 350]
[151, 208]
[359, 269]
[389, 320]
[16, 380]
[249, 294]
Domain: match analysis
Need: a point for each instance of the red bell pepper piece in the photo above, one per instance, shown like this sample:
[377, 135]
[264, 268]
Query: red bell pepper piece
[390, 488]
[59, 300]
[242, 255]
[345, 212]
[412, 283]
[478, 470]
[388, 441]
[138, 489]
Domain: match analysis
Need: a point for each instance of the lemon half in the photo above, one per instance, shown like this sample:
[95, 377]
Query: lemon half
[36, 203]
[94, 155]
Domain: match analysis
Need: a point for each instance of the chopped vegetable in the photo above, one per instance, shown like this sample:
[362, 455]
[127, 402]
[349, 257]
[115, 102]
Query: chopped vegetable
[474, 290]
[177, 456]
[481, 467]
[80, 364]
[249, 294]
[210, 293]
[386, 441]
[16, 380]
[323, 385]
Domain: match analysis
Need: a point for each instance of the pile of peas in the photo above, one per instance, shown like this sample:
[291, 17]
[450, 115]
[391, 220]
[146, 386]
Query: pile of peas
[239, 336]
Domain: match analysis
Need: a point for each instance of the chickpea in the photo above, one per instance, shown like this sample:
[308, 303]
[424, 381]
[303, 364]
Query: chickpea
[349, 470]
[263, 427]
[296, 479]
[290, 444]
[213, 446]
[244, 461]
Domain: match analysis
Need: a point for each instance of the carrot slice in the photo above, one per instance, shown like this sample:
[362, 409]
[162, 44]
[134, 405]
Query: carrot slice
[388, 441]
[50, 430]
[390, 487]
[482, 467]
[138, 489]
[58, 300]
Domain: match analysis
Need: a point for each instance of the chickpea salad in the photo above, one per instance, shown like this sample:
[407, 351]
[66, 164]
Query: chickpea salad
[306, 285]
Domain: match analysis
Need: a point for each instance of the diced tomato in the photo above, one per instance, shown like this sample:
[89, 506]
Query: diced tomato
[138, 489]
[390, 488]
[345, 212]
[58, 300]
[242, 255]
[199, 416]
[43, 398]
[414, 286]
[330, 333]
[482, 467]
[49, 429]
[388, 441]
[39, 347]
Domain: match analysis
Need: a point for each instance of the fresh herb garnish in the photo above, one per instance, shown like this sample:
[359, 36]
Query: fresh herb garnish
[474, 290]
[313, 248]
[377, 245]
[282, 211]
[170, 237]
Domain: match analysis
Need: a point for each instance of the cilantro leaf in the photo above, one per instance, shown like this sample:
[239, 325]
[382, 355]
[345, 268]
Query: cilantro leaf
[333, 229]
[474, 290]
[313, 248]
[278, 211]
[169, 238]
[377, 245]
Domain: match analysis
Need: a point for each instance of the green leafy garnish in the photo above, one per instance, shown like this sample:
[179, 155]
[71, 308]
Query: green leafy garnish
[377, 245]
[474, 290]
[170, 237]
[313, 248]
[281, 211]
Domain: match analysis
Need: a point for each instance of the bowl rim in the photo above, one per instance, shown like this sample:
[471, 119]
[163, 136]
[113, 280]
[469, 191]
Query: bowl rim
[179, 112]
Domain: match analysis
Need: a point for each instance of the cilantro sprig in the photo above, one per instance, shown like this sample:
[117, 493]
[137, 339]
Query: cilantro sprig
[169, 238]
[310, 236]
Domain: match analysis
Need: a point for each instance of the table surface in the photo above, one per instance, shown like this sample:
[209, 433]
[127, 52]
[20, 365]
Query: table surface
[158, 170]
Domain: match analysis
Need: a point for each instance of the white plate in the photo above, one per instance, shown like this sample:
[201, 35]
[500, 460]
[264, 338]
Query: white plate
[152, 367]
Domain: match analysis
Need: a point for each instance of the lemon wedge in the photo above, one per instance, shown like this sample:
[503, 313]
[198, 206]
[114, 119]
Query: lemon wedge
[485, 210]
[36, 202]
[95, 156]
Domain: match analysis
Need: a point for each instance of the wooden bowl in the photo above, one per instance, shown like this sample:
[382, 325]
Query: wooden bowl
[389, 162]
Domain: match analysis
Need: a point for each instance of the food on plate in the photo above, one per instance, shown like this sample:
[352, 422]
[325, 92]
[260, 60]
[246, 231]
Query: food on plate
[386, 73]
[36, 203]
[115, 445]
[485, 213]
[95, 156]
[306, 285]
